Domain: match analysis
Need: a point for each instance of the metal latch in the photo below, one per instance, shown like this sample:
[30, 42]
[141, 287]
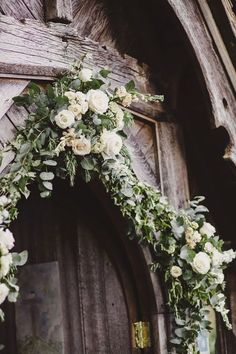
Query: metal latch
[141, 331]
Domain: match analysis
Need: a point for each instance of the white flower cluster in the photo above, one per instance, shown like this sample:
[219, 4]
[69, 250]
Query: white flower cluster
[126, 97]
[108, 142]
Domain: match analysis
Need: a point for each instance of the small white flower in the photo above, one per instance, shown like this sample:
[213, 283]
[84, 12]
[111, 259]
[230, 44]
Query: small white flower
[4, 291]
[218, 274]
[85, 75]
[127, 100]
[217, 258]
[81, 146]
[196, 236]
[70, 95]
[97, 101]
[6, 238]
[121, 92]
[112, 142]
[5, 263]
[209, 248]
[228, 256]
[201, 263]
[4, 200]
[175, 271]
[65, 119]
[207, 229]
[76, 109]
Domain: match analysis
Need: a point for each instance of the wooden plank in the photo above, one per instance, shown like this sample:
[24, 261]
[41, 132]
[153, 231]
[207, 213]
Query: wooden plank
[38, 310]
[206, 12]
[220, 96]
[58, 10]
[32, 48]
[22, 9]
[8, 89]
[172, 164]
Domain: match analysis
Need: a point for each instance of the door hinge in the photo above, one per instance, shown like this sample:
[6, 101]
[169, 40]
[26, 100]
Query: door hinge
[141, 334]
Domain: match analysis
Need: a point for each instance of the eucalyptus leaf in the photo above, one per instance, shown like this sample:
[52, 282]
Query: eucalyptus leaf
[46, 176]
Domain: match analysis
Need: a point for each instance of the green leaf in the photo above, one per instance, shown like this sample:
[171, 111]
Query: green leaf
[15, 167]
[104, 72]
[48, 185]
[128, 192]
[46, 176]
[96, 83]
[19, 259]
[50, 162]
[130, 86]
[88, 163]
[25, 148]
[75, 84]
[34, 89]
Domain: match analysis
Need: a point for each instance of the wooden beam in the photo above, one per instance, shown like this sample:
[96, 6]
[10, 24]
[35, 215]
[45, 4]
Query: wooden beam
[219, 94]
[8, 89]
[32, 49]
[59, 11]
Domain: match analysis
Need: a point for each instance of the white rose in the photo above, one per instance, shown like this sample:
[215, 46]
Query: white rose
[76, 109]
[7, 239]
[97, 101]
[5, 262]
[207, 229]
[209, 248]
[112, 143]
[81, 146]
[176, 271]
[3, 200]
[70, 95]
[4, 291]
[65, 119]
[80, 96]
[201, 263]
[85, 75]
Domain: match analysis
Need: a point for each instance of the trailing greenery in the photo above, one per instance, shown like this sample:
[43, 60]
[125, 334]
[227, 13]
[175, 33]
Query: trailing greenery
[76, 126]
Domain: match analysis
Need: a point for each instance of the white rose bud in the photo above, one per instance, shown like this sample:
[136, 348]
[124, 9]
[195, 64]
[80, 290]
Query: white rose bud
[201, 263]
[65, 119]
[5, 262]
[176, 271]
[112, 143]
[4, 291]
[97, 101]
[6, 238]
[121, 92]
[85, 75]
[81, 146]
[207, 229]
[209, 248]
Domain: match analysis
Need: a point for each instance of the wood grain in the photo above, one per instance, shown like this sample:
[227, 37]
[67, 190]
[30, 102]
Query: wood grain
[58, 10]
[220, 96]
[49, 50]
[8, 89]
[22, 9]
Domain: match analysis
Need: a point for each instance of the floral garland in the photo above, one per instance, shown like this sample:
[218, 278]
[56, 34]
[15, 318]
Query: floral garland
[77, 124]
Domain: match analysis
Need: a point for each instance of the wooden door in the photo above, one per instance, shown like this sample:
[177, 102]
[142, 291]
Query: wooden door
[94, 288]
